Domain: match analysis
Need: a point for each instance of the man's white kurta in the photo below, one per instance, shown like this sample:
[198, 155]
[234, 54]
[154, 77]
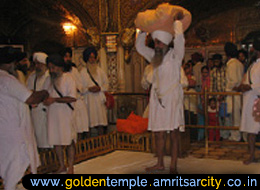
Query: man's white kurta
[80, 112]
[248, 124]
[61, 129]
[166, 114]
[234, 75]
[39, 114]
[18, 147]
[95, 101]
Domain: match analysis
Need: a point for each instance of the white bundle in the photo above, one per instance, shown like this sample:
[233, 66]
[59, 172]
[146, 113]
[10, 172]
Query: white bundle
[162, 18]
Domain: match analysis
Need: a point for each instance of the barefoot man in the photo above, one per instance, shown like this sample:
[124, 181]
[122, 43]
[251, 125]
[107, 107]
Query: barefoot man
[251, 89]
[166, 97]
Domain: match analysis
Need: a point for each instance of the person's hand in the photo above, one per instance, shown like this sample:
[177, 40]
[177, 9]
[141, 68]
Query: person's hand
[238, 88]
[45, 94]
[94, 89]
[245, 87]
[178, 16]
[49, 101]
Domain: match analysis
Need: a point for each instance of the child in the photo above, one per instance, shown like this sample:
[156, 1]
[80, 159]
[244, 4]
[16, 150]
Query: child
[223, 118]
[214, 134]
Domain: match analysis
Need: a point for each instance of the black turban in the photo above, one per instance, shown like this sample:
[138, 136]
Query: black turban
[231, 49]
[66, 50]
[87, 52]
[56, 60]
[20, 56]
[7, 55]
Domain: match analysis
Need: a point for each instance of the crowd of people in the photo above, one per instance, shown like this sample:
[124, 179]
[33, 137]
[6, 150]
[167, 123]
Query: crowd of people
[53, 104]
[216, 75]
[235, 74]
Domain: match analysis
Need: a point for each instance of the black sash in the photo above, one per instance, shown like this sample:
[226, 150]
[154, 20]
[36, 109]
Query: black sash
[249, 74]
[34, 85]
[92, 78]
[60, 94]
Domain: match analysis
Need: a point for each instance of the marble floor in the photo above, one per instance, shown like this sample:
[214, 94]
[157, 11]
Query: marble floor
[125, 162]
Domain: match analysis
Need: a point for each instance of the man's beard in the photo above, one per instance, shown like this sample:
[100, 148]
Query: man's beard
[39, 71]
[54, 76]
[158, 56]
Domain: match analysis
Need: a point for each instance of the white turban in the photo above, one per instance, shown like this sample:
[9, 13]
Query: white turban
[40, 57]
[164, 37]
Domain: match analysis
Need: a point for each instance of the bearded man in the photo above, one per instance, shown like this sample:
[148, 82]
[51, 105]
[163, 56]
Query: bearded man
[61, 129]
[38, 112]
[95, 83]
[17, 142]
[251, 92]
[166, 97]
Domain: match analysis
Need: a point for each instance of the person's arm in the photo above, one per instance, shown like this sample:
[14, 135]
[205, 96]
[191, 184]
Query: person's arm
[37, 97]
[142, 49]
[52, 100]
[179, 41]
[17, 90]
[69, 96]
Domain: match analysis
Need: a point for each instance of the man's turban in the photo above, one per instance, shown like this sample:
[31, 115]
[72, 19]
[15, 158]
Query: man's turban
[40, 57]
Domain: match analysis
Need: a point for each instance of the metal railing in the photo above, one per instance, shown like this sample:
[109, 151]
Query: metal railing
[137, 102]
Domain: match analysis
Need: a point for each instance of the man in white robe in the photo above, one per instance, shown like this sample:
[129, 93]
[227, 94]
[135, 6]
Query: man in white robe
[166, 97]
[61, 131]
[95, 83]
[81, 113]
[38, 112]
[18, 148]
[234, 75]
[251, 89]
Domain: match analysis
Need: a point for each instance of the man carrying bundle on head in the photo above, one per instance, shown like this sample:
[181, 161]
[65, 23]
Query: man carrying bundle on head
[166, 97]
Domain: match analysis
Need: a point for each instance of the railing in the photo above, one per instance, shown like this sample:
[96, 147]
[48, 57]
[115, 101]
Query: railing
[125, 103]
[97, 146]
[203, 98]
[140, 100]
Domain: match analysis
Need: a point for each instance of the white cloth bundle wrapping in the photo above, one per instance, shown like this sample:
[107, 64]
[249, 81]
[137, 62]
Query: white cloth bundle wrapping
[161, 18]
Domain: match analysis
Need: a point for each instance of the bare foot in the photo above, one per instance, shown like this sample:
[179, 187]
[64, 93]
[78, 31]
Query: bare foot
[154, 168]
[60, 170]
[70, 170]
[249, 161]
